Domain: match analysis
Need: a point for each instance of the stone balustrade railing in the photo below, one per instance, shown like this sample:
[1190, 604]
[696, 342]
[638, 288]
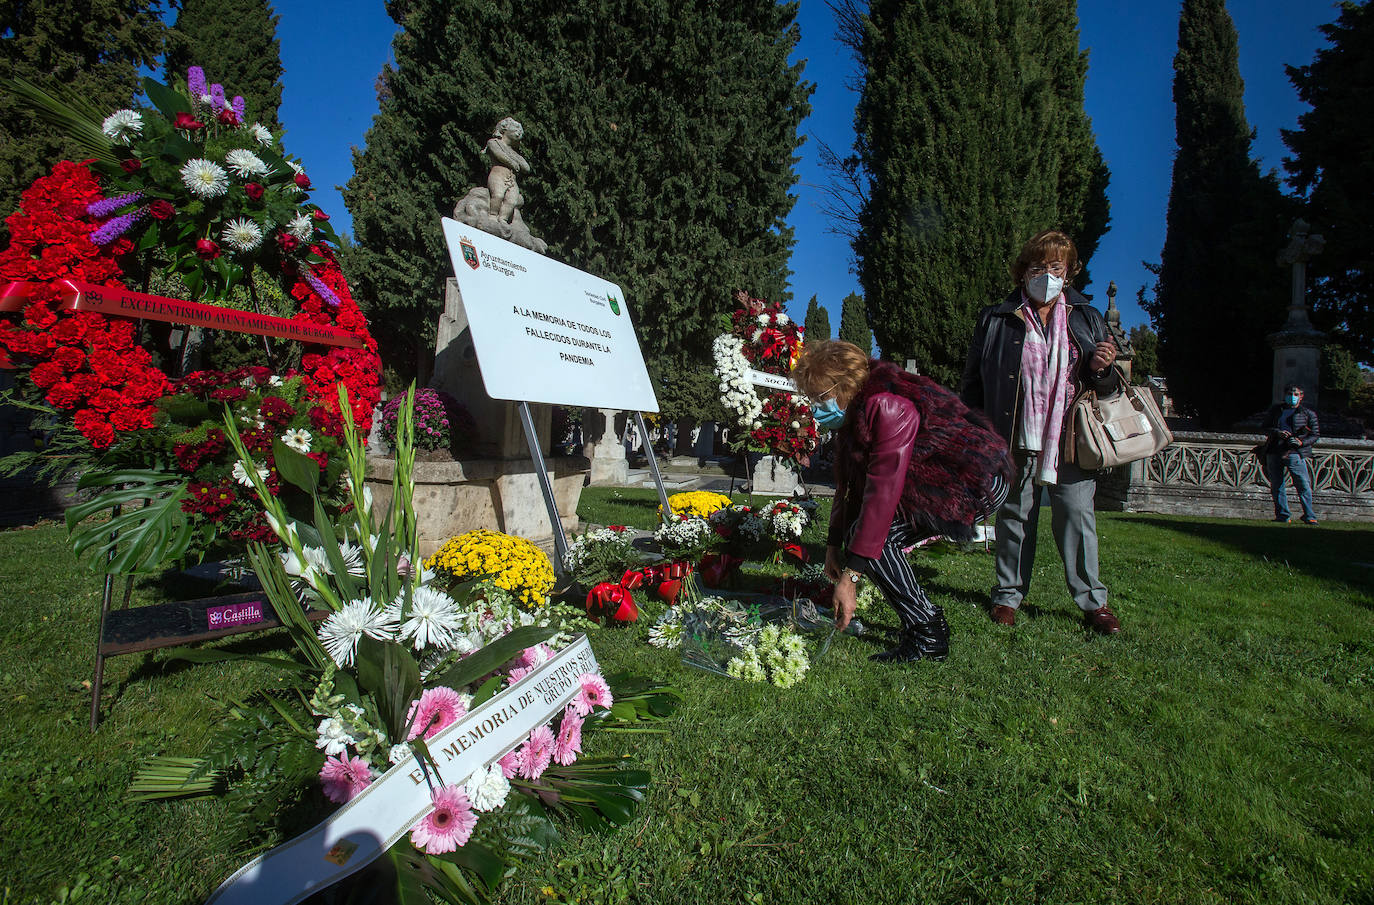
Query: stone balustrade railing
[1216, 474]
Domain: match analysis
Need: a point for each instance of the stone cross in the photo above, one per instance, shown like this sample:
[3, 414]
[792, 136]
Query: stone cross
[1297, 344]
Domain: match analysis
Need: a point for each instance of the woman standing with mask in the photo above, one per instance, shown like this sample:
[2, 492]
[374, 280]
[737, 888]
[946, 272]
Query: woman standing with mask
[1031, 355]
[911, 461]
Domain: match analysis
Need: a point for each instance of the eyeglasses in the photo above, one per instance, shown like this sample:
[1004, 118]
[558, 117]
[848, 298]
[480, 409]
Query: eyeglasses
[1057, 269]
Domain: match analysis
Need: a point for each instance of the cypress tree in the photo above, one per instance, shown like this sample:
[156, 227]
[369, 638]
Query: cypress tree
[854, 323]
[1219, 293]
[972, 137]
[91, 49]
[817, 323]
[235, 42]
[1332, 151]
[662, 138]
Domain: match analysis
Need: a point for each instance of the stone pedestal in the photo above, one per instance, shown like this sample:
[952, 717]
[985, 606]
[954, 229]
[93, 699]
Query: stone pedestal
[500, 495]
[774, 477]
[604, 449]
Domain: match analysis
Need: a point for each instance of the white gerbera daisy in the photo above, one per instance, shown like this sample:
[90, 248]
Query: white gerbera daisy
[122, 125]
[434, 619]
[242, 234]
[342, 631]
[298, 438]
[241, 474]
[261, 134]
[302, 226]
[245, 164]
[204, 178]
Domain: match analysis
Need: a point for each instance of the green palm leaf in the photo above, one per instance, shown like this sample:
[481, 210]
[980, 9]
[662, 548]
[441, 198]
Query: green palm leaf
[149, 530]
[71, 114]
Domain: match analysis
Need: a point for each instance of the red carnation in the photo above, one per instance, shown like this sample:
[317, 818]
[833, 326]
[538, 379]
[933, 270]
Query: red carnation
[95, 427]
[69, 358]
[132, 165]
[287, 241]
[322, 459]
[207, 249]
[161, 210]
[46, 374]
[187, 121]
[303, 181]
[64, 395]
[228, 117]
[253, 190]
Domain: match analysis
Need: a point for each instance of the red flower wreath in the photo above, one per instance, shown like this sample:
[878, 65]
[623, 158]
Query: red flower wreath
[90, 365]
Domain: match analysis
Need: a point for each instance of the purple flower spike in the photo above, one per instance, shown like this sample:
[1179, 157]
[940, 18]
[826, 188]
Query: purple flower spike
[195, 82]
[117, 227]
[238, 106]
[107, 206]
[217, 97]
[321, 289]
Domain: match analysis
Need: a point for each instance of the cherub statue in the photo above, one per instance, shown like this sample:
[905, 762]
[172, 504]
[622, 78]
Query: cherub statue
[496, 208]
[505, 198]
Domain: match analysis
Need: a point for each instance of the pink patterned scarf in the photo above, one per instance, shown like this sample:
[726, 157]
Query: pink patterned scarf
[1045, 360]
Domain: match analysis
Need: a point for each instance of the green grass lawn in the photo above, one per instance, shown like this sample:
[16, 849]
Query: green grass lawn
[1221, 749]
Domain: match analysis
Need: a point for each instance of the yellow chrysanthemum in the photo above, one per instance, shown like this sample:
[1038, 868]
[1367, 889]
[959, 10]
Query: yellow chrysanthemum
[513, 563]
[699, 503]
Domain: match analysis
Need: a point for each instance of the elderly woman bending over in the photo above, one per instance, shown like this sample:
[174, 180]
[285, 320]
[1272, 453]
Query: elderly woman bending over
[911, 462]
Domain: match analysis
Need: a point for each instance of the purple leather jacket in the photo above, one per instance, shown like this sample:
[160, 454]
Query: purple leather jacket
[870, 498]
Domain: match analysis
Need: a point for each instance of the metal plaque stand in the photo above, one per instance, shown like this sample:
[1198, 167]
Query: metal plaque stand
[560, 540]
[653, 467]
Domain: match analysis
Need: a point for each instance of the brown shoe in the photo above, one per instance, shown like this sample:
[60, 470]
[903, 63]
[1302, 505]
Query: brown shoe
[1103, 621]
[1004, 615]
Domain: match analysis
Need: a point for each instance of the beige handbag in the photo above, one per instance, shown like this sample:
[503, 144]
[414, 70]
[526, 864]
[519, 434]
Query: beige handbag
[1107, 431]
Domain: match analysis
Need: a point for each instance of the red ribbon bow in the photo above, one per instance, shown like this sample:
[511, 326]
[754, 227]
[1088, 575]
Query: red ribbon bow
[611, 601]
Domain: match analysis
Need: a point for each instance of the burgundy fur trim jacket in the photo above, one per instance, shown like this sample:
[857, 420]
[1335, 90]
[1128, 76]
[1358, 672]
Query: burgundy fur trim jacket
[909, 445]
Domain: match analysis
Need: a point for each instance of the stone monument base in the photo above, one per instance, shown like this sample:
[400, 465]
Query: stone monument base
[774, 477]
[497, 494]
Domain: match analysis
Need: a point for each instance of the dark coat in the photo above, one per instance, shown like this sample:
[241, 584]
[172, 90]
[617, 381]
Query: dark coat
[908, 443]
[1305, 428]
[992, 372]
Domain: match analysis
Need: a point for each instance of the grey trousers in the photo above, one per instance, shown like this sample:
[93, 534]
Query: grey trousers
[1075, 533]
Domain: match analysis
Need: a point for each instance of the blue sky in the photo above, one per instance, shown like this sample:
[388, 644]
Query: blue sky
[333, 53]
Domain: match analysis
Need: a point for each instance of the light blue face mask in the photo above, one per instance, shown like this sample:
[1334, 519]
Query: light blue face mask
[828, 414]
[1293, 398]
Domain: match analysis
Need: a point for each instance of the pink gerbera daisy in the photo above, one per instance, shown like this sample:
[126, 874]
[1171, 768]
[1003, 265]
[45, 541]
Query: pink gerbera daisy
[595, 693]
[533, 656]
[536, 753]
[448, 826]
[343, 777]
[519, 672]
[510, 764]
[569, 742]
[437, 709]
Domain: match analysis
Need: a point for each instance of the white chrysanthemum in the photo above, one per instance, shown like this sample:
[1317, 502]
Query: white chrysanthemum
[204, 178]
[295, 166]
[667, 634]
[242, 234]
[245, 164]
[433, 619]
[261, 134]
[241, 474]
[122, 125]
[297, 438]
[352, 555]
[342, 631]
[782, 320]
[487, 788]
[302, 226]
[763, 320]
[333, 736]
[400, 753]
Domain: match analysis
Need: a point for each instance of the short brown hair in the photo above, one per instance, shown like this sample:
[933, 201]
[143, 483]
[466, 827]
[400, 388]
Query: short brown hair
[830, 363]
[1047, 245]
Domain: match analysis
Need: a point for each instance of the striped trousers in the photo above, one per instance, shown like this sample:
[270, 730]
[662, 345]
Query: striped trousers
[892, 571]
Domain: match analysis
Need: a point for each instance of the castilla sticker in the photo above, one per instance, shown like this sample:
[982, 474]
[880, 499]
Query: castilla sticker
[615, 304]
[469, 252]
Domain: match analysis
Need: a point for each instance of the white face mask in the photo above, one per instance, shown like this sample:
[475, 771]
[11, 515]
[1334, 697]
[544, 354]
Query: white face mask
[1044, 287]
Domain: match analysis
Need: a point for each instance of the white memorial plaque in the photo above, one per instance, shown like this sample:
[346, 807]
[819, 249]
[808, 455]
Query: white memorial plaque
[544, 331]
